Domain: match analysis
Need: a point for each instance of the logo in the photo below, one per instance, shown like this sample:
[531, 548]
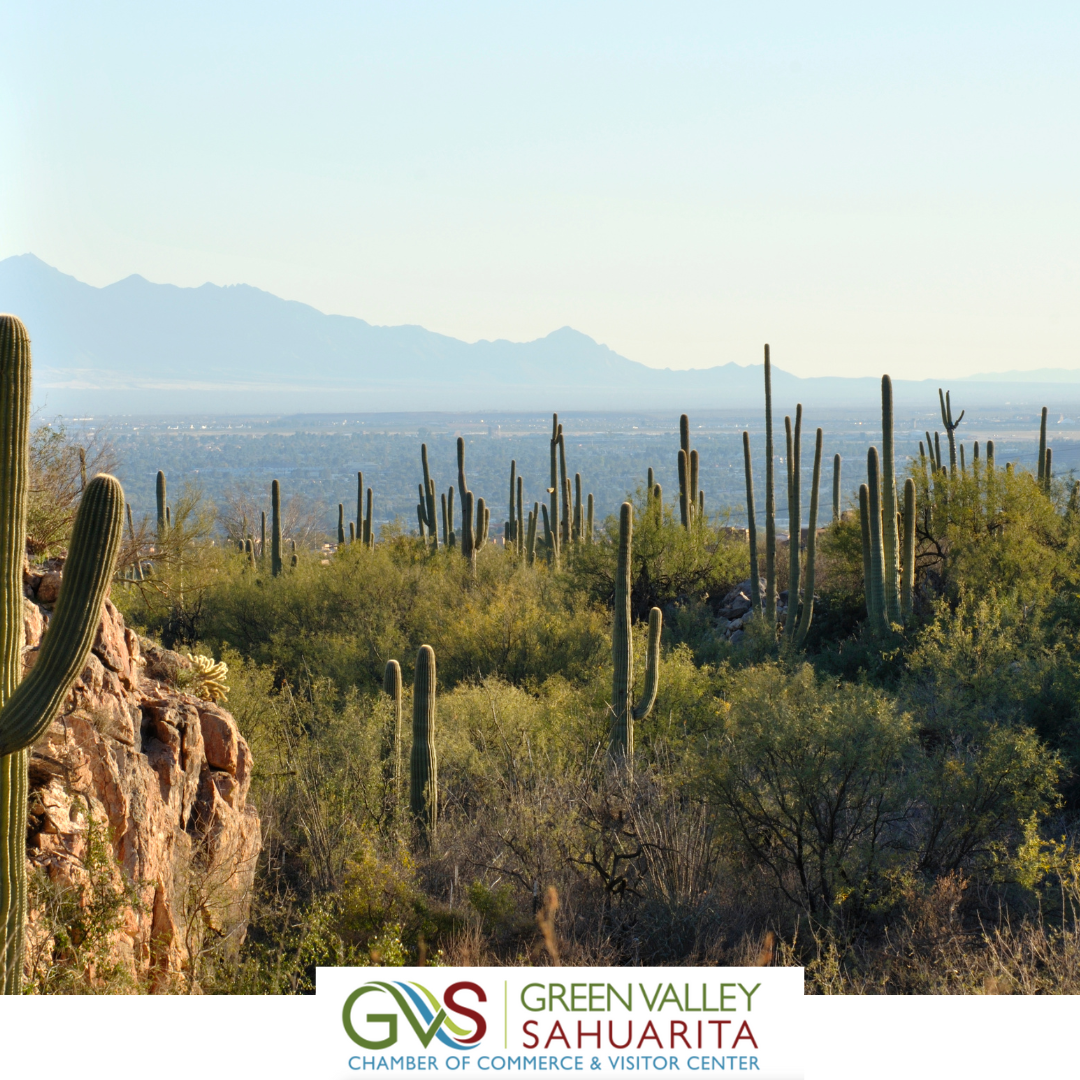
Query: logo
[412, 999]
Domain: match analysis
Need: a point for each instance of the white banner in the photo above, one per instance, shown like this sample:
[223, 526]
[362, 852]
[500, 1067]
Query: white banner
[532, 1022]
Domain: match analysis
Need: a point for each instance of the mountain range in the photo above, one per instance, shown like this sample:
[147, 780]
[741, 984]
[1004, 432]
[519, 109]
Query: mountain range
[137, 347]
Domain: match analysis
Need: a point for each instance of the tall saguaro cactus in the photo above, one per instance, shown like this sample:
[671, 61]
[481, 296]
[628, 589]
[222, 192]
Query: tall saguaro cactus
[275, 528]
[770, 502]
[751, 520]
[889, 539]
[551, 524]
[908, 571]
[423, 763]
[877, 558]
[427, 500]
[161, 525]
[623, 710]
[1042, 445]
[28, 707]
[392, 744]
[836, 461]
[807, 612]
[794, 476]
[950, 429]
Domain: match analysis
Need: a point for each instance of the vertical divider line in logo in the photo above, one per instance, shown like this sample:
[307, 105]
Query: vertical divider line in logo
[506, 1026]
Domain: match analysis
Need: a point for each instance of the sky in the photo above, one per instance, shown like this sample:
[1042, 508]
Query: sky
[867, 187]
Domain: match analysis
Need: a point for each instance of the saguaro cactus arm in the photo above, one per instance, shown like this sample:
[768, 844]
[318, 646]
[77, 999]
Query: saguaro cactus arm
[652, 666]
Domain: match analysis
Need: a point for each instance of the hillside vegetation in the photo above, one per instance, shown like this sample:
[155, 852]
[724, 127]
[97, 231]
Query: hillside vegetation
[889, 800]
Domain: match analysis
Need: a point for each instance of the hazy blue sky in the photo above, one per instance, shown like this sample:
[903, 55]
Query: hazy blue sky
[869, 187]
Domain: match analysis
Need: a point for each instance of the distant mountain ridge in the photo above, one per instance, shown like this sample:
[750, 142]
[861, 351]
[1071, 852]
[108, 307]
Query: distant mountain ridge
[136, 346]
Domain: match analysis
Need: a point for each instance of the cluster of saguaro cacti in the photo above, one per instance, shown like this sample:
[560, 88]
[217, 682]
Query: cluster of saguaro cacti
[474, 533]
[574, 525]
[888, 557]
[364, 533]
[691, 497]
[423, 764]
[798, 620]
[28, 707]
[1045, 462]
[623, 710]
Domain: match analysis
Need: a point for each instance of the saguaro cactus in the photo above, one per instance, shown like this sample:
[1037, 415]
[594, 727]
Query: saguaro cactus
[751, 522]
[427, 499]
[340, 523]
[530, 541]
[512, 518]
[807, 612]
[360, 505]
[1042, 445]
[889, 539]
[907, 579]
[369, 533]
[877, 558]
[552, 526]
[867, 568]
[28, 707]
[392, 744]
[161, 525]
[589, 524]
[794, 476]
[950, 427]
[770, 502]
[836, 487]
[275, 528]
[136, 552]
[623, 710]
[519, 528]
[423, 765]
[687, 496]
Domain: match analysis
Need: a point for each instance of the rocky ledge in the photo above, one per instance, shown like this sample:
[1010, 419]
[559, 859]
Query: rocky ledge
[163, 776]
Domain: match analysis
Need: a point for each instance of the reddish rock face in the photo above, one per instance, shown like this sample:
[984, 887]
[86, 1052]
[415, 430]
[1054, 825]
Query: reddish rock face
[166, 775]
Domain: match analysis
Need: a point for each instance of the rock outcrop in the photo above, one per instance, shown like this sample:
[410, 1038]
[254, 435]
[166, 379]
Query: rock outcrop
[164, 777]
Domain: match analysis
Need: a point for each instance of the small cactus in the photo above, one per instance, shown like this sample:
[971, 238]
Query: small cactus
[208, 680]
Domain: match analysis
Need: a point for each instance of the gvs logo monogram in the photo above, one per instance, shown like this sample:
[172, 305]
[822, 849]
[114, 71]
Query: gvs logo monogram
[413, 999]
